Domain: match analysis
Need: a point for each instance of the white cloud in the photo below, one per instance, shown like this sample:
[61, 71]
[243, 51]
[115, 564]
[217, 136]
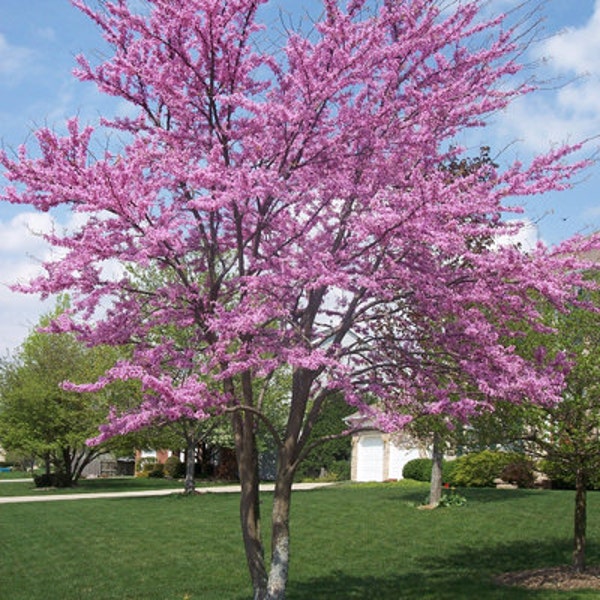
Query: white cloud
[568, 110]
[575, 50]
[13, 59]
[526, 238]
[47, 33]
[20, 314]
[23, 232]
[22, 251]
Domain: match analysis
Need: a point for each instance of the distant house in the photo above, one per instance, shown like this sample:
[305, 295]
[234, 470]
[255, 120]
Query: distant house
[107, 465]
[378, 456]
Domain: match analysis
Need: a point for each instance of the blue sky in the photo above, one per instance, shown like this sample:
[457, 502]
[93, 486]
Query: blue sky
[39, 39]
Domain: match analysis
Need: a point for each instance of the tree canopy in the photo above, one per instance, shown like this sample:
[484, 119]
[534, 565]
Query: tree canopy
[289, 190]
[40, 419]
[566, 436]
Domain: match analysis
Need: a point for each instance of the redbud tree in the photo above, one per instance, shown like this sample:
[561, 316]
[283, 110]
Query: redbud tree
[285, 191]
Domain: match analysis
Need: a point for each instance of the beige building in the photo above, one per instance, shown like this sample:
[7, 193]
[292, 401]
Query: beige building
[378, 456]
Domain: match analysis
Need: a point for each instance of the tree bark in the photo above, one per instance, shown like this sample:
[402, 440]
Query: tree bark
[280, 536]
[47, 463]
[580, 521]
[437, 457]
[190, 466]
[247, 457]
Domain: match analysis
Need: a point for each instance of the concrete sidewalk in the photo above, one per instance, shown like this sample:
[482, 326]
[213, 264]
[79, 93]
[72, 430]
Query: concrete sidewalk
[223, 489]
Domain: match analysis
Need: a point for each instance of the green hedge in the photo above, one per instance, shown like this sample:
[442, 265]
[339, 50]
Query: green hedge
[174, 468]
[480, 469]
[58, 480]
[419, 469]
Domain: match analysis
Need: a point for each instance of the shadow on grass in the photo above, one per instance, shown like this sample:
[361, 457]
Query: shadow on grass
[489, 495]
[467, 573]
[479, 495]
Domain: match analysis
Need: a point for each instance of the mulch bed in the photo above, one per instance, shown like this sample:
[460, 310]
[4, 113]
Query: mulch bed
[552, 578]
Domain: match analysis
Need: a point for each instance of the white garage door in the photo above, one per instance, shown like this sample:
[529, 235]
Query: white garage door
[369, 465]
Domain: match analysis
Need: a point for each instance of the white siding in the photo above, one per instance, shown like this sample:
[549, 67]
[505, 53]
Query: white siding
[398, 458]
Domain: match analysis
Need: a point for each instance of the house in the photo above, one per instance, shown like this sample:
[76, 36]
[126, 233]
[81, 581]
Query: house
[378, 456]
[107, 465]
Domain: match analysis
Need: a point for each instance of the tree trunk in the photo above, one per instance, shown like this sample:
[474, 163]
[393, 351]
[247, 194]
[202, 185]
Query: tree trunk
[580, 521]
[280, 536]
[247, 457]
[190, 466]
[47, 463]
[437, 457]
[66, 467]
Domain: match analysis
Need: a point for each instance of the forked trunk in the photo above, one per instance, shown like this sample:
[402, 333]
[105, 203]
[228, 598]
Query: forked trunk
[580, 521]
[247, 457]
[435, 488]
[253, 546]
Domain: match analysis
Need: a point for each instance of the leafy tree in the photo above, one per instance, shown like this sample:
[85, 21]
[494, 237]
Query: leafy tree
[292, 196]
[327, 456]
[564, 437]
[567, 435]
[39, 418]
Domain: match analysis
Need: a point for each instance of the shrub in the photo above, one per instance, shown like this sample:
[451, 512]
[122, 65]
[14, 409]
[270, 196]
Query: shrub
[448, 472]
[418, 469]
[174, 468]
[158, 471]
[451, 498]
[520, 473]
[151, 469]
[43, 480]
[180, 471]
[479, 469]
[59, 480]
[562, 478]
[340, 469]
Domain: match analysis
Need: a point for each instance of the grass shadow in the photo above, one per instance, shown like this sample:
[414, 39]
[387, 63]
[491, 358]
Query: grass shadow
[466, 573]
[479, 495]
[494, 495]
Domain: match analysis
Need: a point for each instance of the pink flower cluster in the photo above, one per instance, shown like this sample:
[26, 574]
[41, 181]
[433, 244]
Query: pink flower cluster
[289, 210]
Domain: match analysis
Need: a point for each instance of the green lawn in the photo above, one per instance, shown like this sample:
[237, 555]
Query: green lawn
[84, 486]
[351, 541]
[13, 475]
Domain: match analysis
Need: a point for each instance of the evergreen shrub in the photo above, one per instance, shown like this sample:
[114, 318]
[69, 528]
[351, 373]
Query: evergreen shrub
[480, 469]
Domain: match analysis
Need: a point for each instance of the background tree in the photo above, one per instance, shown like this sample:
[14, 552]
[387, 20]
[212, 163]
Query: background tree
[331, 454]
[38, 417]
[435, 431]
[566, 436]
[291, 195]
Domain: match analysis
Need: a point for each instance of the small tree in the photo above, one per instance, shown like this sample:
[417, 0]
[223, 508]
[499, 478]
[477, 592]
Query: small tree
[37, 416]
[291, 196]
[566, 436]
[333, 449]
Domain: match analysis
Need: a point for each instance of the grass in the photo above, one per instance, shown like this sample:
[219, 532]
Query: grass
[348, 542]
[14, 475]
[84, 486]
